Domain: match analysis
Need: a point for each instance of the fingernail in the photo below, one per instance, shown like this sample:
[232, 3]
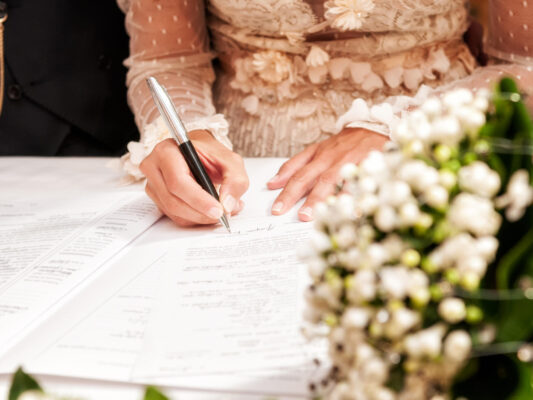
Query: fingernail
[229, 203]
[215, 213]
[307, 211]
[277, 207]
[273, 179]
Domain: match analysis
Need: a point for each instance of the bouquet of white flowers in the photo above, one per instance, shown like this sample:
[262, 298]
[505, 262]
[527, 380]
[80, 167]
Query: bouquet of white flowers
[422, 266]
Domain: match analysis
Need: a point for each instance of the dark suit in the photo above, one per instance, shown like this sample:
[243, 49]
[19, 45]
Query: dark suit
[65, 88]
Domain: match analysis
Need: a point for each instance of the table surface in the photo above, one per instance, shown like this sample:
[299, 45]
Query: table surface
[40, 176]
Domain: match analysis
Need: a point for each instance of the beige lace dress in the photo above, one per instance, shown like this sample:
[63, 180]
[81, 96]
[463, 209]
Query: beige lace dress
[292, 72]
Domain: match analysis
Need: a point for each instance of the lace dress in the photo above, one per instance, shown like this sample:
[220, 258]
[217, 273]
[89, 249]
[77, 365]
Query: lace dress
[292, 72]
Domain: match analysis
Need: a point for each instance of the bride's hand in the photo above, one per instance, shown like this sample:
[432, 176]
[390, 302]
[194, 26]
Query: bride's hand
[174, 190]
[314, 171]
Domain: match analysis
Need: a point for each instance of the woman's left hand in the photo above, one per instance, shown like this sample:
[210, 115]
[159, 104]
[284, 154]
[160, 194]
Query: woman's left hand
[315, 171]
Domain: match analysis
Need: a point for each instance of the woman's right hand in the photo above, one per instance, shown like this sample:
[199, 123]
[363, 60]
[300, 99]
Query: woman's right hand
[174, 190]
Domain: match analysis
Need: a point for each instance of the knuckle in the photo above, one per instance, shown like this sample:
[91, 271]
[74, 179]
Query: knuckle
[299, 178]
[173, 183]
[243, 182]
[328, 178]
[236, 158]
[285, 166]
[144, 165]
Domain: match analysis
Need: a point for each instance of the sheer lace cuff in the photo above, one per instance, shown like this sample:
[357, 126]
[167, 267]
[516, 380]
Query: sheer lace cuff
[381, 118]
[157, 131]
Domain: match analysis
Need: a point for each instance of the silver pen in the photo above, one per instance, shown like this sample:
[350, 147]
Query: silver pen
[177, 129]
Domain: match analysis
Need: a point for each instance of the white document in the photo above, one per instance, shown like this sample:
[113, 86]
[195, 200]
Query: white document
[232, 305]
[104, 337]
[47, 249]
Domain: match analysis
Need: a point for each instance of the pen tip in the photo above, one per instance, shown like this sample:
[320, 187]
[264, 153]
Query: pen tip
[225, 222]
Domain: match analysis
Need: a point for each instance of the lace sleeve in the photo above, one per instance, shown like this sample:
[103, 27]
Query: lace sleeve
[511, 49]
[169, 40]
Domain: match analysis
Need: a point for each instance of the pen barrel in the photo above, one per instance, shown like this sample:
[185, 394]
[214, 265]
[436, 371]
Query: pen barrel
[197, 168]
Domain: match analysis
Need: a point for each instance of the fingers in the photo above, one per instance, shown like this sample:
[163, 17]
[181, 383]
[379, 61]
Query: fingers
[299, 185]
[181, 185]
[175, 208]
[324, 187]
[327, 181]
[289, 168]
[235, 182]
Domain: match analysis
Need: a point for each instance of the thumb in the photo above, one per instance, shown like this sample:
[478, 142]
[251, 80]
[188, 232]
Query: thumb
[234, 182]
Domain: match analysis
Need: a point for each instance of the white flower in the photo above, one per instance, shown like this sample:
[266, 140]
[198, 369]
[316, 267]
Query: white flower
[385, 218]
[353, 258]
[374, 164]
[321, 212]
[395, 193]
[346, 236]
[401, 322]
[426, 343]
[368, 184]
[474, 214]
[328, 293]
[420, 125]
[432, 107]
[409, 214]
[394, 246]
[345, 206]
[356, 317]
[472, 264]
[487, 247]
[447, 179]
[394, 281]
[402, 132]
[349, 171]
[447, 130]
[479, 179]
[436, 196]
[381, 393]
[457, 98]
[452, 310]
[518, 197]
[272, 66]
[417, 279]
[471, 119]
[368, 203]
[374, 371]
[457, 346]
[320, 241]
[316, 266]
[316, 57]
[418, 174]
[348, 14]
[363, 353]
[376, 255]
[362, 286]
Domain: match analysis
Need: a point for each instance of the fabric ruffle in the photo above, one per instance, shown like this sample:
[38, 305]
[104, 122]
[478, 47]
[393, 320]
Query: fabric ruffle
[383, 117]
[157, 131]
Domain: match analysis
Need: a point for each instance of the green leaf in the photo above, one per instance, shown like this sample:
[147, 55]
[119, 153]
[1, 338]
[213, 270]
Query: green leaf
[153, 393]
[21, 383]
[524, 389]
[511, 260]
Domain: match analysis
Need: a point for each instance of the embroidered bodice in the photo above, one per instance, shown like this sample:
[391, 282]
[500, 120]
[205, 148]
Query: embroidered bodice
[289, 70]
